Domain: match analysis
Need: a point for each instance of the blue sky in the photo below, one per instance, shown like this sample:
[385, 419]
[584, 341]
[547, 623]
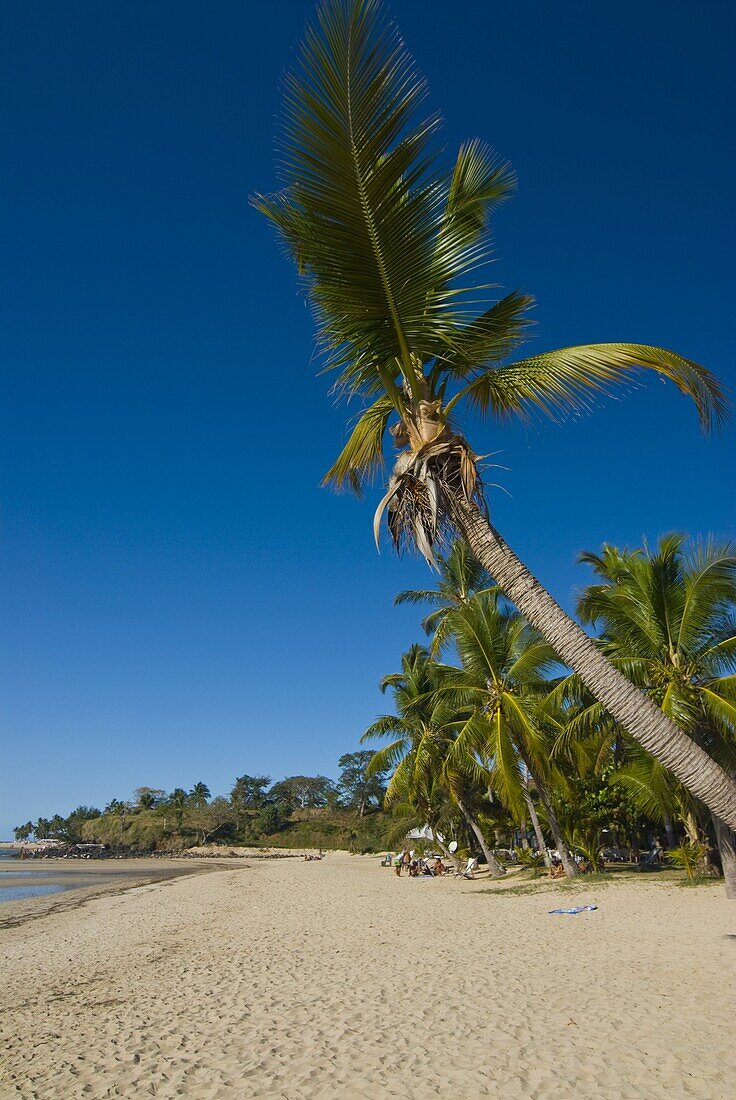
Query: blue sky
[180, 599]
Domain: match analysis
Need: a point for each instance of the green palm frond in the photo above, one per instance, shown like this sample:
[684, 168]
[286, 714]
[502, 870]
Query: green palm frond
[710, 585]
[489, 338]
[719, 706]
[649, 786]
[387, 757]
[419, 595]
[362, 456]
[505, 765]
[480, 182]
[364, 211]
[564, 382]
[718, 656]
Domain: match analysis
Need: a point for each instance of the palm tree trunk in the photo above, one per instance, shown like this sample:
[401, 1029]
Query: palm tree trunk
[537, 828]
[571, 867]
[726, 840]
[634, 711]
[669, 830]
[449, 856]
[497, 871]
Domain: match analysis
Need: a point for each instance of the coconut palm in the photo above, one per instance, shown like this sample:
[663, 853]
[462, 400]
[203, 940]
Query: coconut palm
[460, 576]
[199, 795]
[389, 244]
[494, 704]
[416, 753]
[412, 754]
[667, 620]
[179, 799]
[120, 810]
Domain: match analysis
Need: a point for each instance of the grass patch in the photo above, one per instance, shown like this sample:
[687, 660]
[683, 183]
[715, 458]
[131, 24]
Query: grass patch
[698, 881]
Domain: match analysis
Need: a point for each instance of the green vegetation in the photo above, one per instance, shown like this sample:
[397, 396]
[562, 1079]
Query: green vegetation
[389, 240]
[493, 744]
[689, 857]
[299, 811]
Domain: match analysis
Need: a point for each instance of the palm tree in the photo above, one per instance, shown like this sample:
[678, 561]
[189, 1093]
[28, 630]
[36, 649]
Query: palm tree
[120, 810]
[179, 800]
[460, 576]
[387, 243]
[668, 622]
[199, 794]
[415, 755]
[494, 703]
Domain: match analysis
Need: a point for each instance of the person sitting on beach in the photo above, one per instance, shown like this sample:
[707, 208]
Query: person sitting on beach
[413, 869]
[439, 867]
[556, 870]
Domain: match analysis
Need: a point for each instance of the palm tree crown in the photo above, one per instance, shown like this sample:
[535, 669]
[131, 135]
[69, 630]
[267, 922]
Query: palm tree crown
[667, 618]
[389, 243]
[460, 576]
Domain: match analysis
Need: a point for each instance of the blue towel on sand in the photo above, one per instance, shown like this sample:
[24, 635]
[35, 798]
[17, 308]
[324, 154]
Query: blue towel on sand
[576, 909]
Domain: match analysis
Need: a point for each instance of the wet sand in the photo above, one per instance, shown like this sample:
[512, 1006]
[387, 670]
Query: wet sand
[336, 979]
[81, 880]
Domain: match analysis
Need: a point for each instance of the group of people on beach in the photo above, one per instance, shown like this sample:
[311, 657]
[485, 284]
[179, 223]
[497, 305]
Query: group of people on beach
[418, 867]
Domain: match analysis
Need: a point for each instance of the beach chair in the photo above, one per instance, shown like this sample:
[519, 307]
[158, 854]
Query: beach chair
[471, 866]
[651, 860]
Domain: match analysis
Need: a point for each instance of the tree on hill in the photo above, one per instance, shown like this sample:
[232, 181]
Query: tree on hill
[212, 819]
[388, 242]
[199, 794]
[145, 798]
[179, 800]
[357, 788]
[74, 824]
[303, 792]
[119, 809]
[249, 791]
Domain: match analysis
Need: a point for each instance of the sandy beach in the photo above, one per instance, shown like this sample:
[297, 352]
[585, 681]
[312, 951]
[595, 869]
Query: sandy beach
[335, 979]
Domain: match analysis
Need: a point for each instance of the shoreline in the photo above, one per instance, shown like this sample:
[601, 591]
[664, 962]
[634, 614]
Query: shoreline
[117, 878]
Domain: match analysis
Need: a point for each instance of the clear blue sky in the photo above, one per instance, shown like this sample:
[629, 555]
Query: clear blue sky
[181, 601]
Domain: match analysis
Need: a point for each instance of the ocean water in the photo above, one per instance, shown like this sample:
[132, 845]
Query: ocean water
[14, 876]
[16, 893]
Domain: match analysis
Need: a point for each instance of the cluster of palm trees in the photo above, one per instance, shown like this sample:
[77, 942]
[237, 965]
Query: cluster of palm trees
[508, 728]
[388, 240]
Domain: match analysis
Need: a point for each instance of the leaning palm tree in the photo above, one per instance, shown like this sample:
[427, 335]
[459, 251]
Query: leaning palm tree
[389, 243]
[460, 576]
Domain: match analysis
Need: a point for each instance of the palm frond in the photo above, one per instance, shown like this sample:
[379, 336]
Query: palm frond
[566, 382]
[480, 182]
[362, 455]
[424, 595]
[363, 207]
[488, 339]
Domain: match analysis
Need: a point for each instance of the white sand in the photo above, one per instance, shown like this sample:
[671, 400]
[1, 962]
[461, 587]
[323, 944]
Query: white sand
[335, 979]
